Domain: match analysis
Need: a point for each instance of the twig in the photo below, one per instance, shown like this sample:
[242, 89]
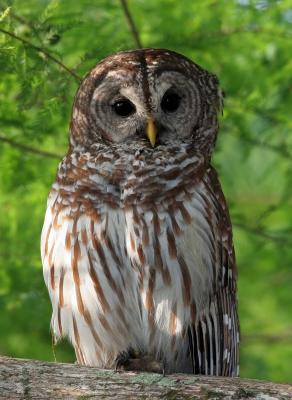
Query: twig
[281, 150]
[239, 30]
[263, 234]
[29, 149]
[284, 337]
[268, 211]
[27, 23]
[39, 49]
[131, 23]
[277, 149]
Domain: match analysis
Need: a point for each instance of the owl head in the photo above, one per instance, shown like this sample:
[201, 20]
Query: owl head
[146, 98]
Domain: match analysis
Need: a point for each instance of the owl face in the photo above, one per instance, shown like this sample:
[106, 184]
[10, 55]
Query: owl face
[124, 109]
[145, 98]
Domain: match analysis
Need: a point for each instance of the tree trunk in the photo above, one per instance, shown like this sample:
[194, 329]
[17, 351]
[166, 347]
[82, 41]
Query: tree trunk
[29, 379]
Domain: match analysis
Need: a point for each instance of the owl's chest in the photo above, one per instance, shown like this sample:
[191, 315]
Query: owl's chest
[168, 253]
[165, 244]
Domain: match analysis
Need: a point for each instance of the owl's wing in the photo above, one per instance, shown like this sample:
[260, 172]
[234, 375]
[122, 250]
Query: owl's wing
[83, 273]
[214, 336]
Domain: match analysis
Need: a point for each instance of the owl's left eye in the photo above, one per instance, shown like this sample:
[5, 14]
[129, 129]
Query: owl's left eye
[124, 108]
[170, 101]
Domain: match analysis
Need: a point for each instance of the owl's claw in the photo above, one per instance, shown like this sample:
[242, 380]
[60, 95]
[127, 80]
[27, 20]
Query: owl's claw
[163, 368]
[128, 361]
[122, 361]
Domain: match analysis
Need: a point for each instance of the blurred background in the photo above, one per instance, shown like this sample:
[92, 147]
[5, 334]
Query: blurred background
[45, 46]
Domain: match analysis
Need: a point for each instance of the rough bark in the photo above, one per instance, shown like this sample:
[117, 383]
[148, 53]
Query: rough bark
[29, 379]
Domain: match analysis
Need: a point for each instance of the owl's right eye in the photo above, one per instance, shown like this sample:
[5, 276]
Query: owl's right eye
[124, 108]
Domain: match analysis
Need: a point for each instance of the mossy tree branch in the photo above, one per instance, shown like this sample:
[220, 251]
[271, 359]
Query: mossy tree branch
[28, 379]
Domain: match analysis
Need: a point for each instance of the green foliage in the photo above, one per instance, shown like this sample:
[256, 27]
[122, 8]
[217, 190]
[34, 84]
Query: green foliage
[247, 43]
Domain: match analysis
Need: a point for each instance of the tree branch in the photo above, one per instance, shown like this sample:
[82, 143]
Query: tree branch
[131, 23]
[29, 149]
[28, 379]
[43, 51]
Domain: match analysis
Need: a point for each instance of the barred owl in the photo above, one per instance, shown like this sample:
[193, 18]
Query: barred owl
[137, 245]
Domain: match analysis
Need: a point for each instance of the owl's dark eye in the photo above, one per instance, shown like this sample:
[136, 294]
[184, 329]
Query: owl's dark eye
[124, 108]
[170, 101]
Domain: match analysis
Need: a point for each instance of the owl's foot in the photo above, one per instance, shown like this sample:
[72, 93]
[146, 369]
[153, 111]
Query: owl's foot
[132, 361]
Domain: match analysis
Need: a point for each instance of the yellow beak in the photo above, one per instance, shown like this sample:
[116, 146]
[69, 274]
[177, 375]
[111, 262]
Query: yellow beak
[151, 131]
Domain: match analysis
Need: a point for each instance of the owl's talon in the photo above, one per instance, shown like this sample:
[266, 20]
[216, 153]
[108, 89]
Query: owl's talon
[145, 363]
[121, 361]
[163, 368]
